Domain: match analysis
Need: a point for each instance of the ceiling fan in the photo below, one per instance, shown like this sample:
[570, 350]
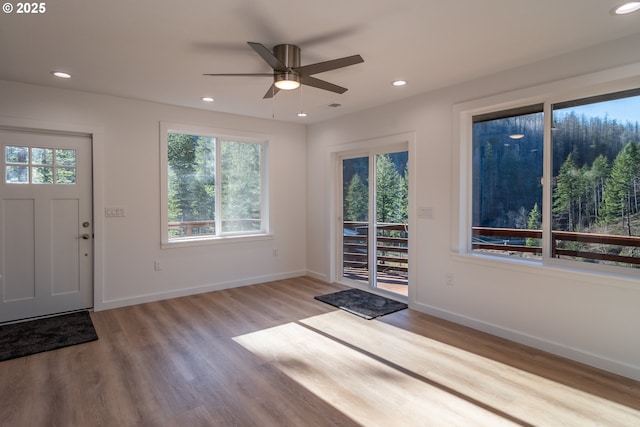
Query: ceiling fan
[288, 74]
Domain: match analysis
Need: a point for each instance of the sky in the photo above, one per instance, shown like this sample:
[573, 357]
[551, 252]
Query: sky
[623, 110]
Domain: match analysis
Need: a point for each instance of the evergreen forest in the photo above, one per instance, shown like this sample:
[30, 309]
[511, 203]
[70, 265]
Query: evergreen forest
[392, 185]
[192, 183]
[595, 173]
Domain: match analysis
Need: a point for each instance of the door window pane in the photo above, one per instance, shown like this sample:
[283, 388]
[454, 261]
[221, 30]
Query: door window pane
[65, 157]
[355, 207]
[42, 175]
[17, 155]
[17, 175]
[42, 156]
[392, 221]
[65, 175]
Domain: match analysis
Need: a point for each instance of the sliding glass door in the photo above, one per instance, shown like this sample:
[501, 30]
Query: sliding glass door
[374, 216]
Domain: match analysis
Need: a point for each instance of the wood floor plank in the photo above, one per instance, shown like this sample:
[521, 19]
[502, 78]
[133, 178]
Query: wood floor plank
[271, 355]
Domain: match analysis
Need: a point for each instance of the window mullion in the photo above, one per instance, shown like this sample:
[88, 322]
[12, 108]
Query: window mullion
[218, 186]
[547, 187]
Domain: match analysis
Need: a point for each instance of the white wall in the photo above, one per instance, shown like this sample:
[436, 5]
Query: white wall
[591, 318]
[128, 172]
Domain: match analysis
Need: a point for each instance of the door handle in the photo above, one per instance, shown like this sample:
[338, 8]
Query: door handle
[85, 236]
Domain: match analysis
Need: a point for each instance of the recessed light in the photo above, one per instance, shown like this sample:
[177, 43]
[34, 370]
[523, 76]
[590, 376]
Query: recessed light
[207, 99]
[398, 83]
[626, 8]
[302, 114]
[61, 74]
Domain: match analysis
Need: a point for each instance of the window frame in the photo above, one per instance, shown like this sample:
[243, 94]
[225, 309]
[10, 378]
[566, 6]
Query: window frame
[219, 135]
[595, 86]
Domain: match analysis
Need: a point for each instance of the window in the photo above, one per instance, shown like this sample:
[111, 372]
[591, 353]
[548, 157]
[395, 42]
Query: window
[32, 165]
[596, 187]
[593, 203]
[507, 188]
[214, 185]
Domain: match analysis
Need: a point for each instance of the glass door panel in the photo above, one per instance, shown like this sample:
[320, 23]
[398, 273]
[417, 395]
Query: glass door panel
[355, 219]
[391, 225]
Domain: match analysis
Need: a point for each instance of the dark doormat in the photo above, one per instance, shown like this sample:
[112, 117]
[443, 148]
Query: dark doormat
[36, 336]
[361, 303]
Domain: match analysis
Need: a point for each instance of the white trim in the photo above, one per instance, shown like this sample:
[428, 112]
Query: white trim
[318, 276]
[211, 287]
[96, 133]
[217, 240]
[573, 353]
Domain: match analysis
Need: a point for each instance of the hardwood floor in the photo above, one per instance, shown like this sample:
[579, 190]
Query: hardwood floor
[271, 355]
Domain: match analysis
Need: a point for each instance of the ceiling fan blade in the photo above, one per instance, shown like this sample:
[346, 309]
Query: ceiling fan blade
[240, 74]
[271, 92]
[268, 56]
[321, 67]
[321, 84]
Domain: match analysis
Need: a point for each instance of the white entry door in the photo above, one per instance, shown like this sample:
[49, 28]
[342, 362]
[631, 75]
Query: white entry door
[46, 224]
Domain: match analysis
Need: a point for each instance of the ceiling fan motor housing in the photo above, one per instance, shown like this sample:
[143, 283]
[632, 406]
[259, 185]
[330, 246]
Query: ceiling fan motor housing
[289, 55]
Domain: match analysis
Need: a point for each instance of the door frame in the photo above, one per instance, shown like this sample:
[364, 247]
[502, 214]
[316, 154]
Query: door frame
[96, 136]
[364, 147]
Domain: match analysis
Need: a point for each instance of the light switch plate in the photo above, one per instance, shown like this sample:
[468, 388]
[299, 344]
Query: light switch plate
[115, 212]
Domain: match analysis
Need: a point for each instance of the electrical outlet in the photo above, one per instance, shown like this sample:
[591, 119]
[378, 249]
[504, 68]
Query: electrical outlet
[156, 265]
[275, 252]
[448, 279]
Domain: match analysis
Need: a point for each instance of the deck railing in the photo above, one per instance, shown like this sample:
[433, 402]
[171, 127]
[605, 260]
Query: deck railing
[392, 248]
[207, 228]
[515, 241]
[392, 242]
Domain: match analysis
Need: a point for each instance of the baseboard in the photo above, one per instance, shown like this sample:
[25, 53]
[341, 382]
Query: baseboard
[318, 276]
[141, 299]
[576, 354]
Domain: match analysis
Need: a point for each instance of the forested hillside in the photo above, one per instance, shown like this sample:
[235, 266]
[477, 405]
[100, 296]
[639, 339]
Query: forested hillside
[596, 173]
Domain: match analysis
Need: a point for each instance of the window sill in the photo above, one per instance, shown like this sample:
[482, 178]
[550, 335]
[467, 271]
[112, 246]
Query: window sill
[553, 271]
[218, 240]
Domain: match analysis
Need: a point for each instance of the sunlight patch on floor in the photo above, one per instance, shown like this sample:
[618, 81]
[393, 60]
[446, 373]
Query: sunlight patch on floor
[379, 374]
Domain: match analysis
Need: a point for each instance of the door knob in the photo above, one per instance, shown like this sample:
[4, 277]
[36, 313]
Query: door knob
[85, 236]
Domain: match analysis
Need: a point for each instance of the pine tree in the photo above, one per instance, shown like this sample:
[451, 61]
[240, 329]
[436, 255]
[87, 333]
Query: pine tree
[534, 221]
[568, 195]
[620, 188]
[597, 177]
[356, 203]
[389, 188]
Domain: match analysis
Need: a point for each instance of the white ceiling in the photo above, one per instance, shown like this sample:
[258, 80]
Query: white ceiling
[157, 50]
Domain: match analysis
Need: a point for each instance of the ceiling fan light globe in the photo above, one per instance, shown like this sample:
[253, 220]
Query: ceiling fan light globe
[287, 84]
[287, 81]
